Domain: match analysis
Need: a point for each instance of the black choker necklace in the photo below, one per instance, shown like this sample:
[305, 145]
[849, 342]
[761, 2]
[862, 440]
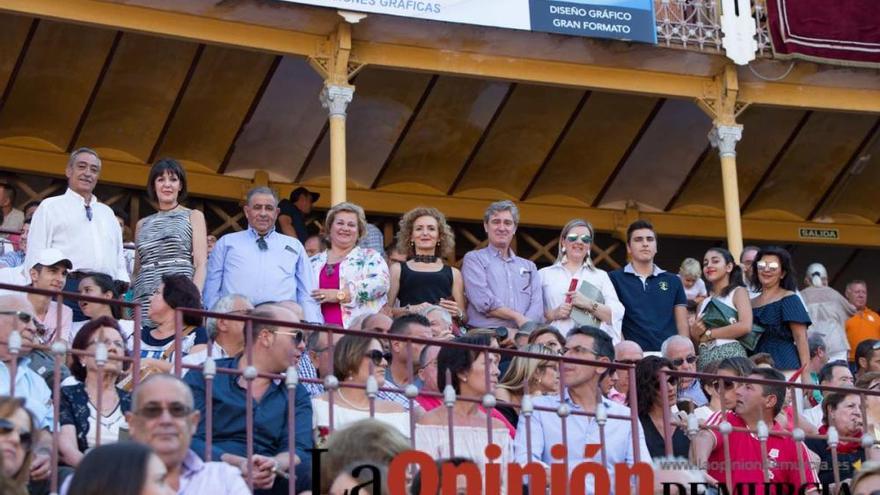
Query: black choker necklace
[424, 258]
[169, 209]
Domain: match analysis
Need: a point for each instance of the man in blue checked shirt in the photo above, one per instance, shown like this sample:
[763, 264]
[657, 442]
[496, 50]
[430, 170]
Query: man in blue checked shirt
[260, 263]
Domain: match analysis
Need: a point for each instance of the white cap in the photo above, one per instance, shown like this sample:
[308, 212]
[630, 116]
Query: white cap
[52, 256]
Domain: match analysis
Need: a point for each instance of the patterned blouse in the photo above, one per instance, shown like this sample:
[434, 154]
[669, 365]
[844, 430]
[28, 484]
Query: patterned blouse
[74, 410]
[364, 273]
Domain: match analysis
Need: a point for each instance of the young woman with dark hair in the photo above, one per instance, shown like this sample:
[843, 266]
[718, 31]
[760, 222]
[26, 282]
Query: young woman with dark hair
[101, 285]
[779, 310]
[727, 295]
[120, 469]
[650, 407]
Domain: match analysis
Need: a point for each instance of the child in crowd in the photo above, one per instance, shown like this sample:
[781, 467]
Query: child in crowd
[690, 274]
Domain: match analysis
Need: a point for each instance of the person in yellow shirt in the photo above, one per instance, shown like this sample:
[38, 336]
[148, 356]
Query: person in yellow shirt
[865, 324]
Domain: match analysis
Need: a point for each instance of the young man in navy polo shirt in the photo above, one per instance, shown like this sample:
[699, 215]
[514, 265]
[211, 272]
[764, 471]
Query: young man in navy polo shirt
[656, 307]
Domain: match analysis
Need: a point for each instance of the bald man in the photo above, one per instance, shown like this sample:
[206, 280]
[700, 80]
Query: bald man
[626, 352]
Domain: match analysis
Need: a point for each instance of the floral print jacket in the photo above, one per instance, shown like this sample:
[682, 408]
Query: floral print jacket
[365, 274]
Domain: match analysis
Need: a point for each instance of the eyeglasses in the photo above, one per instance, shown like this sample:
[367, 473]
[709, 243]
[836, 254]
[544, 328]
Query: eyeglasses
[377, 356]
[297, 335]
[153, 410]
[585, 238]
[578, 349]
[627, 361]
[767, 266]
[680, 361]
[23, 317]
[24, 437]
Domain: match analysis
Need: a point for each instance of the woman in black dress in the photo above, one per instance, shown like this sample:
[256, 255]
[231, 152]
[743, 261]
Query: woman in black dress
[650, 407]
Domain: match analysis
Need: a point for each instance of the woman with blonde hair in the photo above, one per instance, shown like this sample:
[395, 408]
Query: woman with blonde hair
[425, 279]
[352, 280]
[593, 300]
[542, 375]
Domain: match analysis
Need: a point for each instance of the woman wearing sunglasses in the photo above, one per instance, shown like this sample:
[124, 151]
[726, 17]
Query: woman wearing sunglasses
[78, 413]
[593, 300]
[780, 311]
[355, 360]
[542, 376]
[17, 431]
[650, 408]
[468, 371]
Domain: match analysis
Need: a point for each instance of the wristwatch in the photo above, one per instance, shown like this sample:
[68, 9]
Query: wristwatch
[709, 334]
[340, 296]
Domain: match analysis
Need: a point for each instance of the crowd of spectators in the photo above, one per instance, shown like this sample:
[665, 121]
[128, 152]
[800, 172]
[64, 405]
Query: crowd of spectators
[429, 354]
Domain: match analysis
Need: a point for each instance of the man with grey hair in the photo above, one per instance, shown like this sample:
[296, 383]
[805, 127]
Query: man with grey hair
[227, 336]
[503, 290]
[260, 263]
[81, 227]
[441, 321]
[680, 352]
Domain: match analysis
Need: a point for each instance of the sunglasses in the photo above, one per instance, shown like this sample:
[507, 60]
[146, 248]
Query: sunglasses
[680, 361]
[377, 356]
[769, 266]
[153, 410]
[585, 238]
[672, 381]
[24, 437]
[628, 361]
[297, 335]
[725, 384]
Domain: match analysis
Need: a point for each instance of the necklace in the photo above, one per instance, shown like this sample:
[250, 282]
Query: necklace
[359, 408]
[424, 258]
[169, 209]
[330, 268]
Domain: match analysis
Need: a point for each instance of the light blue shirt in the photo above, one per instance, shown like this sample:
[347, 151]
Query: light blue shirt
[280, 273]
[32, 388]
[695, 393]
[581, 430]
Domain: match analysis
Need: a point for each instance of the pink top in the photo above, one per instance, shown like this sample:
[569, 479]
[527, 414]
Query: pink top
[52, 324]
[332, 311]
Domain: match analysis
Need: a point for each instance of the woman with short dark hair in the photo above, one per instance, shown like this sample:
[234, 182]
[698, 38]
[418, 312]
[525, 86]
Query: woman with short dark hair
[174, 240]
[650, 407]
[779, 311]
[120, 469]
[78, 410]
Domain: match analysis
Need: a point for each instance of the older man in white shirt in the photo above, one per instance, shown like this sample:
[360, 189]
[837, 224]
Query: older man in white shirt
[77, 224]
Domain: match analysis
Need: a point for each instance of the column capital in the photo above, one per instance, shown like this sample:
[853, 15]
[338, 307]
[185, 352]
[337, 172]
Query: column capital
[336, 97]
[725, 137]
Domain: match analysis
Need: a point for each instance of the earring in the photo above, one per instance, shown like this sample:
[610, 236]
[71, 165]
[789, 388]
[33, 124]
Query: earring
[562, 249]
[464, 379]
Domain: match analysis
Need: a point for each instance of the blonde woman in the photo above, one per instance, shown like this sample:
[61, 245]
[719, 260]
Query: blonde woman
[352, 280]
[542, 375]
[573, 263]
[425, 279]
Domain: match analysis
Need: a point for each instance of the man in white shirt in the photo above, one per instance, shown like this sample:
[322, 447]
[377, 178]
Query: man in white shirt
[79, 226]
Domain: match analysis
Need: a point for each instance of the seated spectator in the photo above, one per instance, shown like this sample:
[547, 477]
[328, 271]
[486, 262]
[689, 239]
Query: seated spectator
[350, 280]
[78, 411]
[15, 258]
[355, 477]
[163, 417]
[18, 434]
[468, 372]
[843, 411]
[375, 322]
[549, 337]
[157, 344]
[226, 336]
[625, 352]
[101, 285]
[274, 350]
[502, 289]
[425, 278]
[726, 315]
[650, 408]
[399, 374]
[708, 387]
[818, 360]
[682, 356]
[871, 381]
[690, 273]
[314, 245]
[865, 324]
[120, 469]
[247, 262]
[541, 375]
[368, 441]
[354, 360]
[867, 357]
[828, 310]
[754, 403]
[726, 389]
[580, 394]
[12, 218]
[762, 360]
[50, 273]
[833, 374]
[593, 300]
[441, 322]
